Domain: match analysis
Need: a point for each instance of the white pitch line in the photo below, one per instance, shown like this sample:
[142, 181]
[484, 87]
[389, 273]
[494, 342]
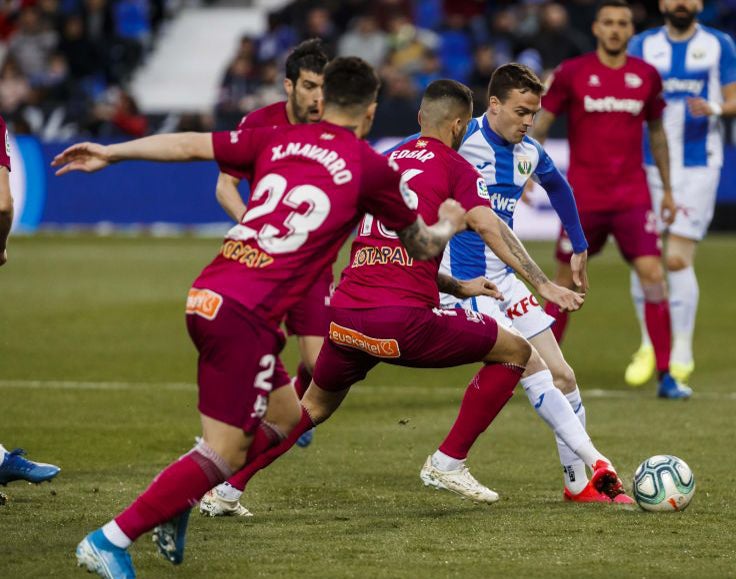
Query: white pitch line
[187, 386]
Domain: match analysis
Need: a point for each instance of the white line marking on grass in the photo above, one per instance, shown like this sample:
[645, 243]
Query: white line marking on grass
[187, 386]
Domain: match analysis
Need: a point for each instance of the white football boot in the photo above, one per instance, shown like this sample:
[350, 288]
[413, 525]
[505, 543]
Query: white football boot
[214, 505]
[458, 481]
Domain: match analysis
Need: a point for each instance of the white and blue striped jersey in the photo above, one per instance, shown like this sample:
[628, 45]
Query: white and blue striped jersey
[697, 67]
[506, 168]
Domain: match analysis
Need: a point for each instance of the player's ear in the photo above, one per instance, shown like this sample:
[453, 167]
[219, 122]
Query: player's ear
[494, 104]
[288, 87]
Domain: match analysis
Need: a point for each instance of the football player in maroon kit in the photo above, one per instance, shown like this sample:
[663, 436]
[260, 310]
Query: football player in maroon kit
[608, 97]
[308, 319]
[312, 185]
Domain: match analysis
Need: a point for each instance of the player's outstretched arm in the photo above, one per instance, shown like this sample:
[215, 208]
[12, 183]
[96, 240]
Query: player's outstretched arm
[229, 197]
[425, 242]
[469, 288]
[6, 213]
[90, 157]
[661, 154]
[509, 249]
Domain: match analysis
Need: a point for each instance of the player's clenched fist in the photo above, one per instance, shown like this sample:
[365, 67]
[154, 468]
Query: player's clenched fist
[567, 300]
[452, 211]
[86, 157]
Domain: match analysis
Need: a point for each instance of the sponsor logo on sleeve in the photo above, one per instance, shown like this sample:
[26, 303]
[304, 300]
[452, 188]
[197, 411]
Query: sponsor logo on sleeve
[482, 188]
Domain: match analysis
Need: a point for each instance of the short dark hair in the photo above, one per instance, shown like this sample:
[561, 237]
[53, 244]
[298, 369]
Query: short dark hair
[350, 81]
[451, 90]
[610, 4]
[308, 55]
[513, 76]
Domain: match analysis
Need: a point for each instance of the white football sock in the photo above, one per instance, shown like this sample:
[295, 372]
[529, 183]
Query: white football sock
[2, 453]
[684, 295]
[573, 443]
[115, 535]
[228, 492]
[444, 462]
[574, 470]
[637, 296]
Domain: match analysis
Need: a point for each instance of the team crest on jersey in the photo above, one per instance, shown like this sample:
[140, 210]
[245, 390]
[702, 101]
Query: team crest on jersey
[594, 80]
[421, 144]
[327, 136]
[632, 80]
[698, 54]
[524, 165]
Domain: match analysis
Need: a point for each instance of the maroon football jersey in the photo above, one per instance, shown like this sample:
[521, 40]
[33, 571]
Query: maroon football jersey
[312, 185]
[381, 273]
[271, 116]
[4, 145]
[606, 111]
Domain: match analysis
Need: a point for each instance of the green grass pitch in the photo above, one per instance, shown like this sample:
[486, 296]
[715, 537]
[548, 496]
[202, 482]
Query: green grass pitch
[96, 375]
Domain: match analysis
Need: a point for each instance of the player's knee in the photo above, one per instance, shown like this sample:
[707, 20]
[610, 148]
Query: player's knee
[535, 364]
[654, 293]
[651, 275]
[564, 378]
[521, 352]
[677, 262]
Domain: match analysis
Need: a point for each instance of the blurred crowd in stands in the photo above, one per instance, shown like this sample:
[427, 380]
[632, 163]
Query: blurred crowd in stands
[80, 54]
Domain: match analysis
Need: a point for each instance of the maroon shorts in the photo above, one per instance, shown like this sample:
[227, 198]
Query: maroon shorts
[405, 336]
[238, 359]
[311, 316]
[634, 229]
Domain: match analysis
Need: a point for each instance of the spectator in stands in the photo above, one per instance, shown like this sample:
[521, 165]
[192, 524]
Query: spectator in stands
[484, 63]
[504, 38]
[364, 39]
[556, 40]
[33, 43]
[278, 40]
[84, 60]
[407, 44]
[430, 69]
[456, 47]
[319, 25]
[237, 93]
[398, 105]
[117, 115]
[132, 35]
[270, 88]
[15, 90]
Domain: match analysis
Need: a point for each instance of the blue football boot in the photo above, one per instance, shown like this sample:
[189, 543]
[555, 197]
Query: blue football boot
[15, 467]
[305, 439]
[170, 537]
[98, 555]
[671, 388]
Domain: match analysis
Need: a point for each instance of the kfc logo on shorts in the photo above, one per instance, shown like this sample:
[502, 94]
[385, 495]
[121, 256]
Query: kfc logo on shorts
[522, 307]
[204, 303]
[378, 347]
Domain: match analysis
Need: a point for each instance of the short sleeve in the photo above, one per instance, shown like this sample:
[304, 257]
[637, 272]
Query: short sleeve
[636, 46]
[557, 95]
[655, 104]
[546, 165]
[468, 186]
[236, 151]
[728, 60]
[4, 146]
[384, 194]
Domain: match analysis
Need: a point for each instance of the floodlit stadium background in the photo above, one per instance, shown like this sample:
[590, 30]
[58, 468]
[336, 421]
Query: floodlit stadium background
[119, 69]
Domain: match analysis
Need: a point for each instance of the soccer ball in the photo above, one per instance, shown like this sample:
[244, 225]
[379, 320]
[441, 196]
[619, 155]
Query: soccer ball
[663, 483]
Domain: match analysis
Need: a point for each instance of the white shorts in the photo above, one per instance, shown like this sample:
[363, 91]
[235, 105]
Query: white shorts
[519, 308]
[694, 190]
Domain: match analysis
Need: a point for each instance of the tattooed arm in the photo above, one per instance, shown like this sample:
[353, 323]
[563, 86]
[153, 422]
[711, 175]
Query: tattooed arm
[425, 242]
[504, 243]
[462, 289]
[661, 154]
